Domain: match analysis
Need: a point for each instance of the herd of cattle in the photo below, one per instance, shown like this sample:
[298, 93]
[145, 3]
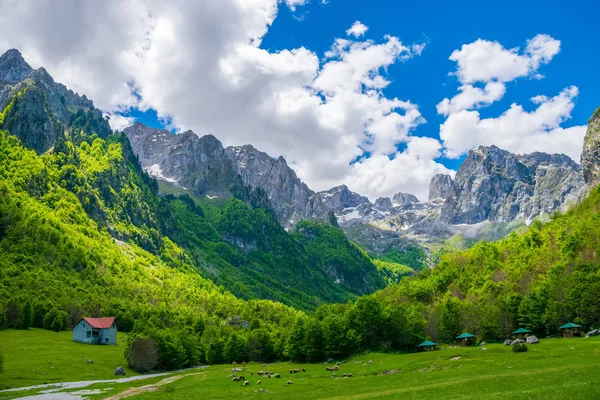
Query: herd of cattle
[271, 374]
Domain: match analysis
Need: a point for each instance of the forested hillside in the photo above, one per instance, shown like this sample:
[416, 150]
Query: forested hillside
[539, 280]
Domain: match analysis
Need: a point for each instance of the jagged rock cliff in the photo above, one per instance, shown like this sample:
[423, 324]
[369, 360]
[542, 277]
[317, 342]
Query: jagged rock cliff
[495, 185]
[590, 158]
[491, 186]
[37, 109]
[440, 187]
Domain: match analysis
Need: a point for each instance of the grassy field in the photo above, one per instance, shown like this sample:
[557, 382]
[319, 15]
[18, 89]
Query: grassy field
[36, 356]
[553, 369]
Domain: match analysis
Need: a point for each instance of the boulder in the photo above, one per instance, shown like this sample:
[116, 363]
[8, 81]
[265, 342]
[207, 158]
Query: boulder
[517, 341]
[90, 361]
[531, 339]
[507, 342]
[120, 371]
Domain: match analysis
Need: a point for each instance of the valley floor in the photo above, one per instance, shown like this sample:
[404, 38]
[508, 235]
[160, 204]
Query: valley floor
[553, 369]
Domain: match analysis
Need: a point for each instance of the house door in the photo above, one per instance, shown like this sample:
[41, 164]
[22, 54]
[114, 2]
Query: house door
[106, 340]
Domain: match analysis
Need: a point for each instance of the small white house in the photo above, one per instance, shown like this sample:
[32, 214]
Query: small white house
[96, 331]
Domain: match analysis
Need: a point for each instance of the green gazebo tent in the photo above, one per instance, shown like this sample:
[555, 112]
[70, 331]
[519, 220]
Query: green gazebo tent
[427, 345]
[570, 330]
[521, 331]
[466, 339]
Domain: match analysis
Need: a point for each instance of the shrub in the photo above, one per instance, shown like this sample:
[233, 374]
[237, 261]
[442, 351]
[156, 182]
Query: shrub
[142, 354]
[56, 320]
[1, 362]
[519, 347]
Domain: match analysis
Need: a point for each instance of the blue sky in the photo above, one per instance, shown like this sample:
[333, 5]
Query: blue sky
[341, 109]
[445, 26]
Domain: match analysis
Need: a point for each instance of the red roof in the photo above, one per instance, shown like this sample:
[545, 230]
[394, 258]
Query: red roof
[100, 323]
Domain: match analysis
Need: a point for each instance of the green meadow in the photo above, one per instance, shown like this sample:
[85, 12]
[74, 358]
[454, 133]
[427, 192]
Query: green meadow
[35, 356]
[553, 369]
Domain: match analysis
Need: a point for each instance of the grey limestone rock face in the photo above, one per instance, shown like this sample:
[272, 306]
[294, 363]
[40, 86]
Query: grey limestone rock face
[13, 68]
[290, 198]
[590, 157]
[440, 186]
[404, 199]
[495, 185]
[383, 203]
[199, 164]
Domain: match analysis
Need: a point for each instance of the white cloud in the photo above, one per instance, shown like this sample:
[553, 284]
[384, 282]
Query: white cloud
[118, 122]
[483, 61]
[517, 130]
[357, 30]
[199, 64]
[472, 97]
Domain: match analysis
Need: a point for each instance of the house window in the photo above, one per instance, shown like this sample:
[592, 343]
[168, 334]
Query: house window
[88, 334]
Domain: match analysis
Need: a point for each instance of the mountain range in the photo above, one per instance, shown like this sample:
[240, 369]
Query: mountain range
[247, 222]
[492, 193]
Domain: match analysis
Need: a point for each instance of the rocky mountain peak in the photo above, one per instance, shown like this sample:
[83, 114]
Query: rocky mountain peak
[404, 199]
[495, 185]
[590, 158]
[13, 67]
[440, 187]
[383, 203]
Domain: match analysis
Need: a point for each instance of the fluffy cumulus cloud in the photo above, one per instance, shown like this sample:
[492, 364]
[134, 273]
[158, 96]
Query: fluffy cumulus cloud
[200, 65]
[358, 29]
[483, 61]
[484, 68]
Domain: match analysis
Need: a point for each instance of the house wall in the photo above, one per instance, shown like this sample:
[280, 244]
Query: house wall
[80, 334]
[110, 334]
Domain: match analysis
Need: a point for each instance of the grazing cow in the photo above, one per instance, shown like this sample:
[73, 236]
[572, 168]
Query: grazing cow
[234, 379]
[345, 375]
[259, 382]
[290, 382]
[291, 371]
[277, 376]
[246, 383]
[349, 375]
[303, 370]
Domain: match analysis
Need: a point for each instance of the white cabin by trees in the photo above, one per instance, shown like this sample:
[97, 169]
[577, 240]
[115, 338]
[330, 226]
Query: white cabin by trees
[96, 331]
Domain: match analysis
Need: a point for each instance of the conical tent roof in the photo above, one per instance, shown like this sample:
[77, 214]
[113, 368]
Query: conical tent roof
[569, 325]
[427, 343]
[465, 336]
[522, 330]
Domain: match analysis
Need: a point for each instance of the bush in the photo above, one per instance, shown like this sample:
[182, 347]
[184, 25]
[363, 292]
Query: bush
[142, 354]
[519, 347]
[1, 362]
[56, 320]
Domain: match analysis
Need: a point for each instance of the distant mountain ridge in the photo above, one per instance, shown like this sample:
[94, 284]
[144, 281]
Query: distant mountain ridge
[492, 186]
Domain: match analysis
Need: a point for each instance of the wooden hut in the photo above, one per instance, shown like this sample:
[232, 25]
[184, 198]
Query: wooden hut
[466, 339]
[570, 330]
[427, 346]
[521, 332]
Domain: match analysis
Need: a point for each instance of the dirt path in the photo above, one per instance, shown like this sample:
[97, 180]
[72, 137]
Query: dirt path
[149, 388]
